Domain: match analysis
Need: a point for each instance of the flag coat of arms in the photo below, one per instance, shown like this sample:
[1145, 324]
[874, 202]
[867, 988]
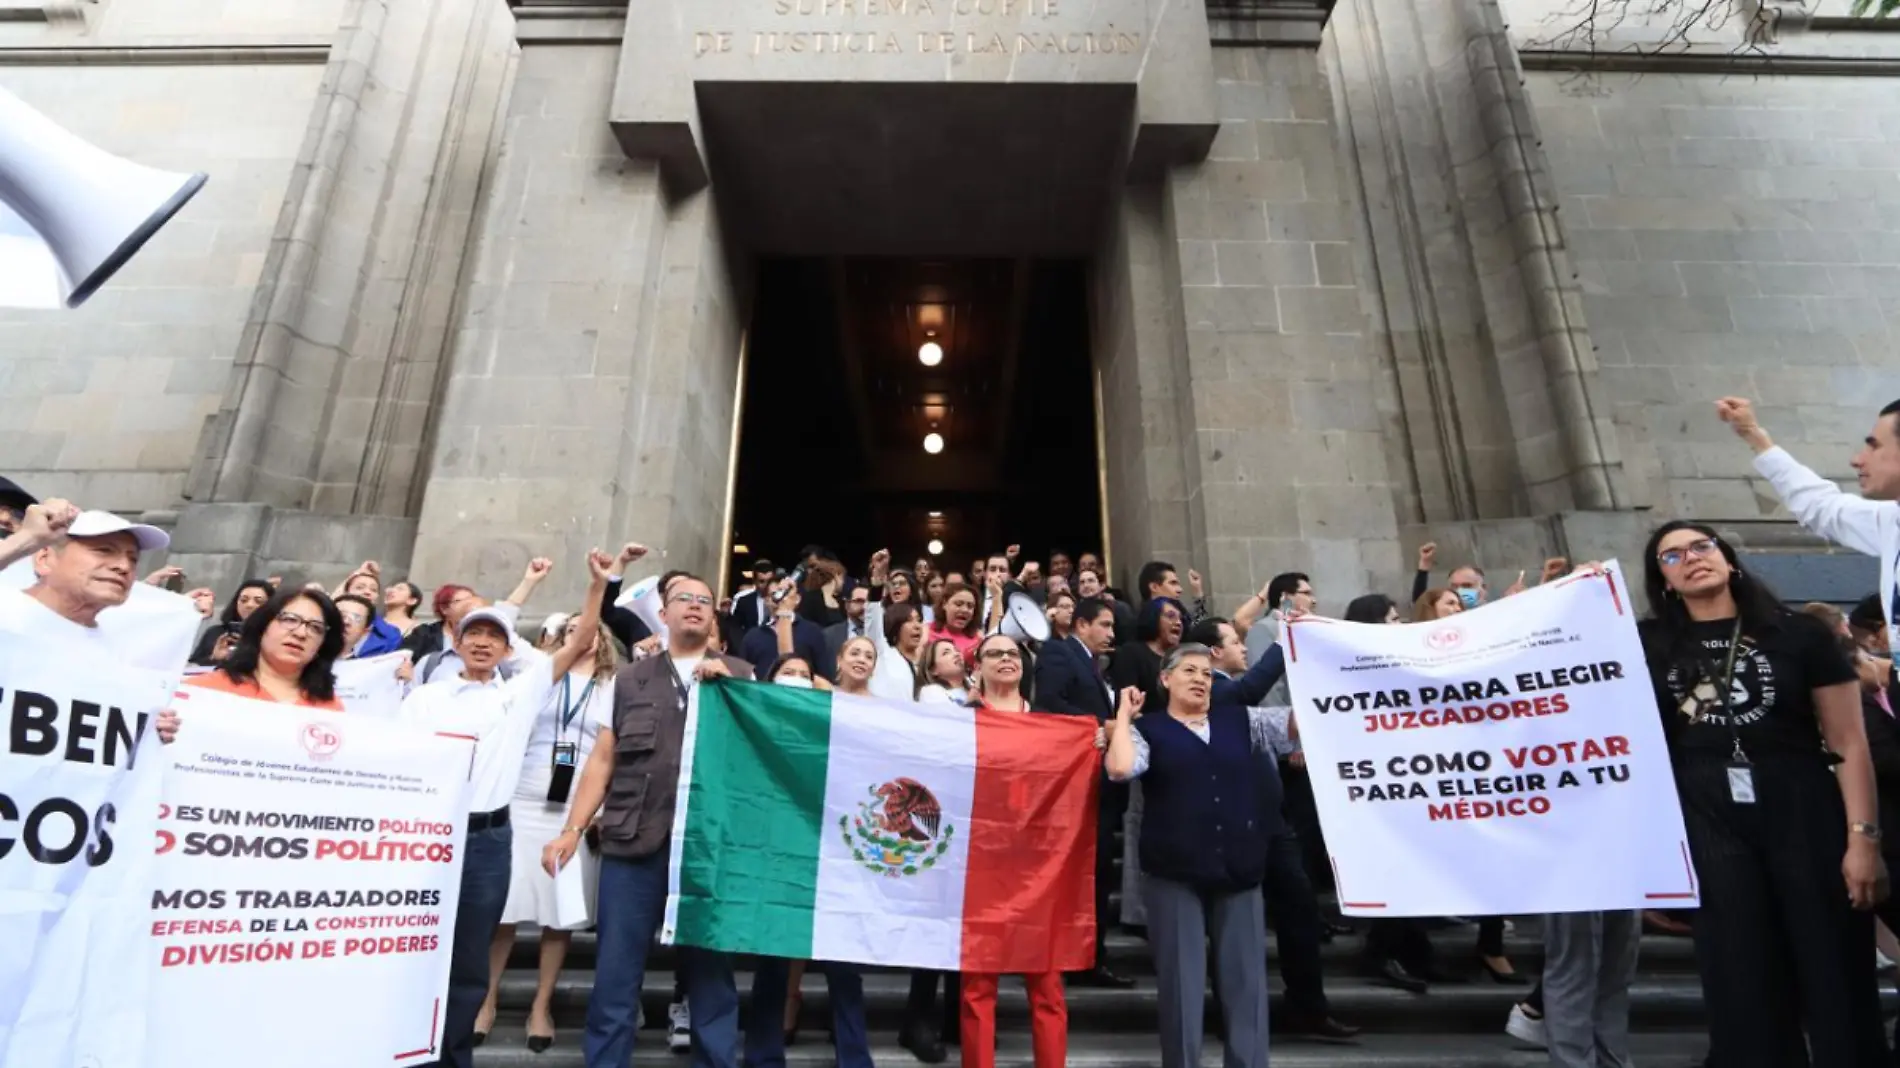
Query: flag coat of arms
[820, 826]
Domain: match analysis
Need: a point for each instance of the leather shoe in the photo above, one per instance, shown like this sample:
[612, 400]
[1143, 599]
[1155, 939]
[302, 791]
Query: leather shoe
[1318, 1028]
[1393, 974]
[923, 1043]
[1102, 976]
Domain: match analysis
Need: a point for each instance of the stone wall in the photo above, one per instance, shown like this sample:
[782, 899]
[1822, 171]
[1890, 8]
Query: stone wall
[1283, 395]
[1733, 234]
[590, 389]
[105, 404]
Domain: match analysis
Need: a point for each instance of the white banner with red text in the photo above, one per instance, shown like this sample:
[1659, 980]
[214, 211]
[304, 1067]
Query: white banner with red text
[79, 795]
[305, 891]
[1503, 761]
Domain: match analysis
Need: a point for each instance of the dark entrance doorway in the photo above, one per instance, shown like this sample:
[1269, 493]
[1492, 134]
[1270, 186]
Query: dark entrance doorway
[838, 404]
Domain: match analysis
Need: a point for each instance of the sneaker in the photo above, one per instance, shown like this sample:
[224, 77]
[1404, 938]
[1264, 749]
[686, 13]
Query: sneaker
[1525, 1027]
[679, 1032]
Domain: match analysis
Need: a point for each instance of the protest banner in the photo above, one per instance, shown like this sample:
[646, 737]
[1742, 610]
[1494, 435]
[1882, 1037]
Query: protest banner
[304, 859]
[1503, 761]
[369, 687]
[79, 797]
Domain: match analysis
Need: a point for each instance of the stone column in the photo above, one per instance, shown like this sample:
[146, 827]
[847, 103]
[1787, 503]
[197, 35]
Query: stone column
[591, 384]
[315, 448]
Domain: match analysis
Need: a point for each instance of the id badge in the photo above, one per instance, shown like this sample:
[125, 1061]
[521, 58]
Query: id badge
[1741, 784]
[561, 781]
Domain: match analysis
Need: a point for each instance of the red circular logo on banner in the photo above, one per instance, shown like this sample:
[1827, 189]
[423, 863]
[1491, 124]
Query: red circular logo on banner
[321, 739]
[1445, 639]
[166, 841]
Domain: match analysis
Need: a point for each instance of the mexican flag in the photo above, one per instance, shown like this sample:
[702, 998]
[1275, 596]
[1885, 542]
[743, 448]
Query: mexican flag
[820, 826]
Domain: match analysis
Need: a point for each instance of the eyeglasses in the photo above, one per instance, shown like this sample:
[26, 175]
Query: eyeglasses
[690, 598]
[1002, 654]
[1695, 550]
[350, 619]
[293, 622]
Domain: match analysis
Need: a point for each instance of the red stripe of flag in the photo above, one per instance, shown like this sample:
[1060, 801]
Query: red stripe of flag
[1029, 889]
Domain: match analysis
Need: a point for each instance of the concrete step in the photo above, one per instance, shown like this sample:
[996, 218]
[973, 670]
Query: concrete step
[1674, 1049]
[1657, 1003]
[1129, 954]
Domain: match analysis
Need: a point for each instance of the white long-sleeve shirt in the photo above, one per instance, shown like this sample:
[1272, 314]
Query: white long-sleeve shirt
[1871, 527]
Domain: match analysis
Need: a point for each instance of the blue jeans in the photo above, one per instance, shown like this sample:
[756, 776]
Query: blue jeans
[486, 860]
[632, 904]
[765, 1022]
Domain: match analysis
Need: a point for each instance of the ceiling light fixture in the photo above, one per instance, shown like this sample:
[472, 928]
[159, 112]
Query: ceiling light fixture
[740, 549]
[936, 515]
[933, 443]
[930, 354]
[935, 546]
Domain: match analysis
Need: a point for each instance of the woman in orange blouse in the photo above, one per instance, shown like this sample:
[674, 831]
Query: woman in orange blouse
[285, 653]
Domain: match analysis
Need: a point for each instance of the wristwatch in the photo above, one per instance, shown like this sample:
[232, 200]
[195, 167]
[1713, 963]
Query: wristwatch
[1869, 831]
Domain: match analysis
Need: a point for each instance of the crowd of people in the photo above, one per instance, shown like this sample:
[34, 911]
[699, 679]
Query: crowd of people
[1780, 724]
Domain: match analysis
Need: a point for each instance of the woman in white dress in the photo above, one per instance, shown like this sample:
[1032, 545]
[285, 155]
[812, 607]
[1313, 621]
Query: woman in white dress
[563, 736]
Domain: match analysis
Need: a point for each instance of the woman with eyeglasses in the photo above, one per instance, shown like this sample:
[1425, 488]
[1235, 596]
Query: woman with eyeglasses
[1203, 855]
[1763, 719]
[559, 743]
[1000, 661]
[285, 653]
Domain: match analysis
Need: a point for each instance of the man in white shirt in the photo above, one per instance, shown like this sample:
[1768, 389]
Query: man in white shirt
[83, 564]
[1869, 523]
[498, 715]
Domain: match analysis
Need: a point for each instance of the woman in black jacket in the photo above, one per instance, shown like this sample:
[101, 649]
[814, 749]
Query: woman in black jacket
[249, 598]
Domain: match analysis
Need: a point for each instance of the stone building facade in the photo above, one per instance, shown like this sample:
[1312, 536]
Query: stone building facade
[471, 279]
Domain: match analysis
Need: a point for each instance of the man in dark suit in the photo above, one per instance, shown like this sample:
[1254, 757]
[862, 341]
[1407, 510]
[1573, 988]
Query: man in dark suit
[760, 648]
[1292, 906]
[1069, 682]
[853, 626]
[750, 607]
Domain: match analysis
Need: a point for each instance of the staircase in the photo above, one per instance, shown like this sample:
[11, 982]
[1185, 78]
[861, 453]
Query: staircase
[1454, 1026]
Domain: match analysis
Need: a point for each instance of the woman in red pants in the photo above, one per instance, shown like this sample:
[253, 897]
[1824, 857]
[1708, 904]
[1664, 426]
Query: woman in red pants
[999, 677]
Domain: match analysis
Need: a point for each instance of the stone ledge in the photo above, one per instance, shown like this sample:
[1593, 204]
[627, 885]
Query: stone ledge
[1270, 23]
[1707, 63]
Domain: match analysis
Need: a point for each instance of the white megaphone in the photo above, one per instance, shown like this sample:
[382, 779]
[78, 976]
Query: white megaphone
[643, 600]
[1023, 618]
[71, 214]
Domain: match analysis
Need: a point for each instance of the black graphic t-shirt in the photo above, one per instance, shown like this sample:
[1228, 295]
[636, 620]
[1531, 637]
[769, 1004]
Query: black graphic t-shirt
[1771, 698]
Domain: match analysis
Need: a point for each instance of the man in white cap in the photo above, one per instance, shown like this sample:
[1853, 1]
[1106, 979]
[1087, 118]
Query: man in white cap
[499, 714]
[83, 564]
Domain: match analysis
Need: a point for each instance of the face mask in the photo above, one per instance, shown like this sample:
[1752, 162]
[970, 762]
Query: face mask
[793, 681]
[1468, 597]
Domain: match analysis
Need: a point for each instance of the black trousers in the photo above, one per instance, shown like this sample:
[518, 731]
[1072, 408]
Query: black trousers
[1302, 814]
[1405, 940]
[923, 997]
[1293, 909]
[1779, 949]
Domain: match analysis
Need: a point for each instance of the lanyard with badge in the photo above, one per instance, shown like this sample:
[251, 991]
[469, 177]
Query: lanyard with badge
[566, 753]
[1741, 773]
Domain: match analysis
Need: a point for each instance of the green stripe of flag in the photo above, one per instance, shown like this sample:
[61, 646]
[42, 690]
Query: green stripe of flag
[759, 759]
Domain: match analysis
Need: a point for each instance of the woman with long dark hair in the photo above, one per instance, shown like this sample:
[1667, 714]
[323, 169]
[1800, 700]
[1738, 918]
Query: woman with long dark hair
[217, 640]
[957, 622]
[400, 602]
[1762, 715]
[286, 652]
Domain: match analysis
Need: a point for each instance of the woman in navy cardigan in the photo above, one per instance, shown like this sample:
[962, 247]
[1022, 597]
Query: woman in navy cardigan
[1203, 854]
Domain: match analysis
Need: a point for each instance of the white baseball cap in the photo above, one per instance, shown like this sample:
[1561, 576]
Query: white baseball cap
[97, 524]
[489, 615]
